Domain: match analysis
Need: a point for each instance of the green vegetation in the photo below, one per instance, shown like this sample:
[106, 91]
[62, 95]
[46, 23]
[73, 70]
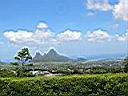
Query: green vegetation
[23, 56]
[83, 78]
[126, 64]
[126, 61]
[6, 73]
[14, 63]
[70, 85]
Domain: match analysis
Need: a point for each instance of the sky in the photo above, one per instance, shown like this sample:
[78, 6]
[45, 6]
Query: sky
[72, 27]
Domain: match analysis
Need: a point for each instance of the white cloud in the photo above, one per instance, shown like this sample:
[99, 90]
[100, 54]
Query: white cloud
[103, 36]
[22, 37]
[97, 36]
[120, 10]
[42, 35]
[41, 26]
[102, 5]
[19, 37]
[123, 37]
[69, 35]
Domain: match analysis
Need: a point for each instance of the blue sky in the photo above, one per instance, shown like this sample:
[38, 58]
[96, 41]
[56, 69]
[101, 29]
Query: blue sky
[73, 27]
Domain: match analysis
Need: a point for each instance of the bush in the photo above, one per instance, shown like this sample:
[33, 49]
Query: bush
[74, 85]
[102, 70]
[30, 64]
[7, 73]
[23, 73]
[14, 63]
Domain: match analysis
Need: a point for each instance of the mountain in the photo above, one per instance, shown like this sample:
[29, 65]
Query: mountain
[37, 58]
[52, 55]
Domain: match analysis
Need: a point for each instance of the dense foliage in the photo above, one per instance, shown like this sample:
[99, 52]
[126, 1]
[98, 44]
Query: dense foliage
[23, 56]
[7, 73]
[71, 85]
[26, 72]
[126, 64]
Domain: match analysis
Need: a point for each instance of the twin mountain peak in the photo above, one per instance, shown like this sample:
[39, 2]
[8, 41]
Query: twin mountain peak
[52, 55]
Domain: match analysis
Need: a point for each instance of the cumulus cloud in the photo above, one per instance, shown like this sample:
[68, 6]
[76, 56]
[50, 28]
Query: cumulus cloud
[69, 35]
[42, 35]
[103, 36]
[41, 26]
[120, 10]
[102, 5]
[97, 36]
[123, 37]
[20, 37]
[24, 37]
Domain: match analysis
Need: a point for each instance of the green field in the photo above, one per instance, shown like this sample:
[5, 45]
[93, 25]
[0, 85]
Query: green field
[70, 85]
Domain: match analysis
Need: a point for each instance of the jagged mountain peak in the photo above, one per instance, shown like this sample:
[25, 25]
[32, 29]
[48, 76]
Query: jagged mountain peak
[37, 57]
[52, 52]
[52, 55]
[38, 53]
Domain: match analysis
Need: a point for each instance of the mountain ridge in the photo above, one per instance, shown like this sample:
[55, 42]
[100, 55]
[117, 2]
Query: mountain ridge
[51, 55]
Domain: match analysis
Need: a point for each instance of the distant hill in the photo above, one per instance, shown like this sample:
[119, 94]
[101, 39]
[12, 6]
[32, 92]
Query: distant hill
[52, 55]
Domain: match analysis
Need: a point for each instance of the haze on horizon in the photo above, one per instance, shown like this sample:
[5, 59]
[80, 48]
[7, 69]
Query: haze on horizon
[74, 28]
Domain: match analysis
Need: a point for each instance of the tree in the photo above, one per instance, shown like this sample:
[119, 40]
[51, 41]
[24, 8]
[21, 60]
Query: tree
[23, 56]
[125, 62]
[14, 63]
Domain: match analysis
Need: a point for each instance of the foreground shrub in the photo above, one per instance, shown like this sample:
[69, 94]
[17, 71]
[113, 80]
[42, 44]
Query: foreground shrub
[7, 73]
[23, 73]
[102, 70]
[78, 85]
